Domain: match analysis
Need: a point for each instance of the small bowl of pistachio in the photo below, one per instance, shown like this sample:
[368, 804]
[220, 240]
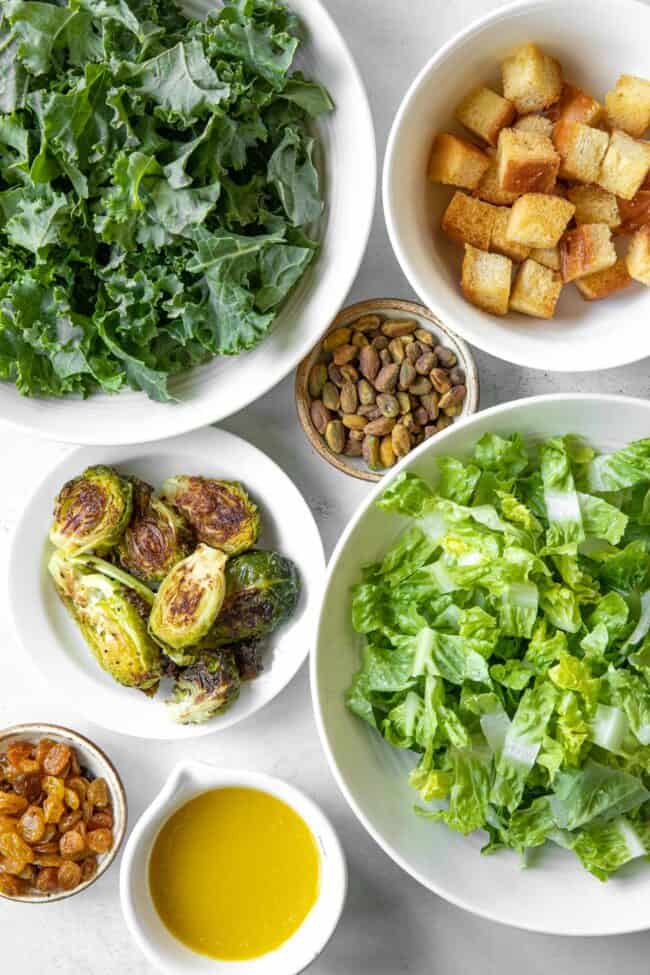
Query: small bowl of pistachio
[387, 375]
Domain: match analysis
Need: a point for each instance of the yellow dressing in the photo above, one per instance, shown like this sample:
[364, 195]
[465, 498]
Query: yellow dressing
[233, 873]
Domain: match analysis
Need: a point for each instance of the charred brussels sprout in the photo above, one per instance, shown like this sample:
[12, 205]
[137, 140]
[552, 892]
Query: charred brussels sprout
[156, 539]
[206, 687]
[262, 589]
[91, 512]
[187, 603]
[220, 512]
[111, 610]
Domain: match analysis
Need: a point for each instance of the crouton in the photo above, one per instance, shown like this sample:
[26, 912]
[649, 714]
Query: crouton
[576, 105]
[456, 162]
[586, 250]
[486, 280]
[635, 213]
[594, 205]
[539, 220]
[548, 256]
[469, 221]
[485, 113]
[638, 256]
[628, 105]
[602, 284]
[531, 79]
[625, 165]
[526, 162]
[500, 242]
[490, 191]
[534, 123]
[581, 150]
[536, 290]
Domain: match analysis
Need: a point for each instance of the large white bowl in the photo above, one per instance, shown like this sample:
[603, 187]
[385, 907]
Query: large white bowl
[211, 392]
[596, 41]
[556, 895]
[50, 637]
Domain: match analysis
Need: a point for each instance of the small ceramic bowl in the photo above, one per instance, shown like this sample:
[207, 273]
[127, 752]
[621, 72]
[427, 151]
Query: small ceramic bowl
[393, 308]
[96, 761]
[161, 948]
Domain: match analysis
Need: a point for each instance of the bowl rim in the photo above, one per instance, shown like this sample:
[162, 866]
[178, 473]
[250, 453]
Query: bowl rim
[162, 806]
[603, 399]
[116, 787]
[571, 363]
[377, 306]
[202, 412]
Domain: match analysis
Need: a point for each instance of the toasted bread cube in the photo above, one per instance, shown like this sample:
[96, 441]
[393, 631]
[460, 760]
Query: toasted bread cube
[534, 123]
[490, 191]
[539, 219]
[576, 105]
[536, 290]
[635, 213]
[485, 113]
[486, 280]
[594, 205]
[456, 162]
[628, 105]
[500, 242]
[469, 221]
[602, 284]
[638, 256]
[531, 79]
[586, 250]
[581, 149]
[527, 162]
[548, 256]
[625, 165]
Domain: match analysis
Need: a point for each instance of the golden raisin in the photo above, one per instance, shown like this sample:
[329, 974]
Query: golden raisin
[8, 824]
[57, 760]
[53, 786]
[47, 860]
[28, 873]
[11, 886]
[12, 866]
[28, 784]
[12, 845]
[100, 840]
[69, 821]
[98, 793]
[48, 879]
[78, 785]
[87, 810]
[88, 868]
[42, 749]
[18, 751]
[32, 824]
[11, 804]
[69, 875]
[72, 845]
[71, 799]
[102, 819]
[53, 808]
[75, 768]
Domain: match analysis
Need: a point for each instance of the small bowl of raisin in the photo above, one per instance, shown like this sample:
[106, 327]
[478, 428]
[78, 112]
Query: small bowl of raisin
[62, 812]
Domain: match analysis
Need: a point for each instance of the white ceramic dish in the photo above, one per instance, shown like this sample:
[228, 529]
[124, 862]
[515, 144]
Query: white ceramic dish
[211, 392]
[555, 896]
[163, 950]
[51, 638]
[596, 41]
[96, 761]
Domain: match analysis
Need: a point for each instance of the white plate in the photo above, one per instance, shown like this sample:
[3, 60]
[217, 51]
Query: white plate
[216, 390]
[48, 634]
[595, 41]
[556, 895]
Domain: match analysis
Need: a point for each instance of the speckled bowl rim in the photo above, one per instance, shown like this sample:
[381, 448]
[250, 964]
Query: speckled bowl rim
[116, 788]
[350, 314]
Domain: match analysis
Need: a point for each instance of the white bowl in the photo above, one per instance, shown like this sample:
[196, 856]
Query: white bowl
[189, 779]
[48, 634]
[596, 41]
[556, 895]
[223, 386]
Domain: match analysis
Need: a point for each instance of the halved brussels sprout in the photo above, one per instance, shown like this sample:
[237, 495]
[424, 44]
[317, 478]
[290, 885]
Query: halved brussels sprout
[111, 610]
[156, 539]
[91, 512]
[220, 512]
[188, 601]
[262, 590]
[205, 688]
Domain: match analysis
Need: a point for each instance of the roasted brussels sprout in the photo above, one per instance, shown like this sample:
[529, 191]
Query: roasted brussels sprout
[111, 610]
[262, 589]
[187, 603]
[220, 512]
[91, 512]
[248, 657]
[157, 537]
[206, 687]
